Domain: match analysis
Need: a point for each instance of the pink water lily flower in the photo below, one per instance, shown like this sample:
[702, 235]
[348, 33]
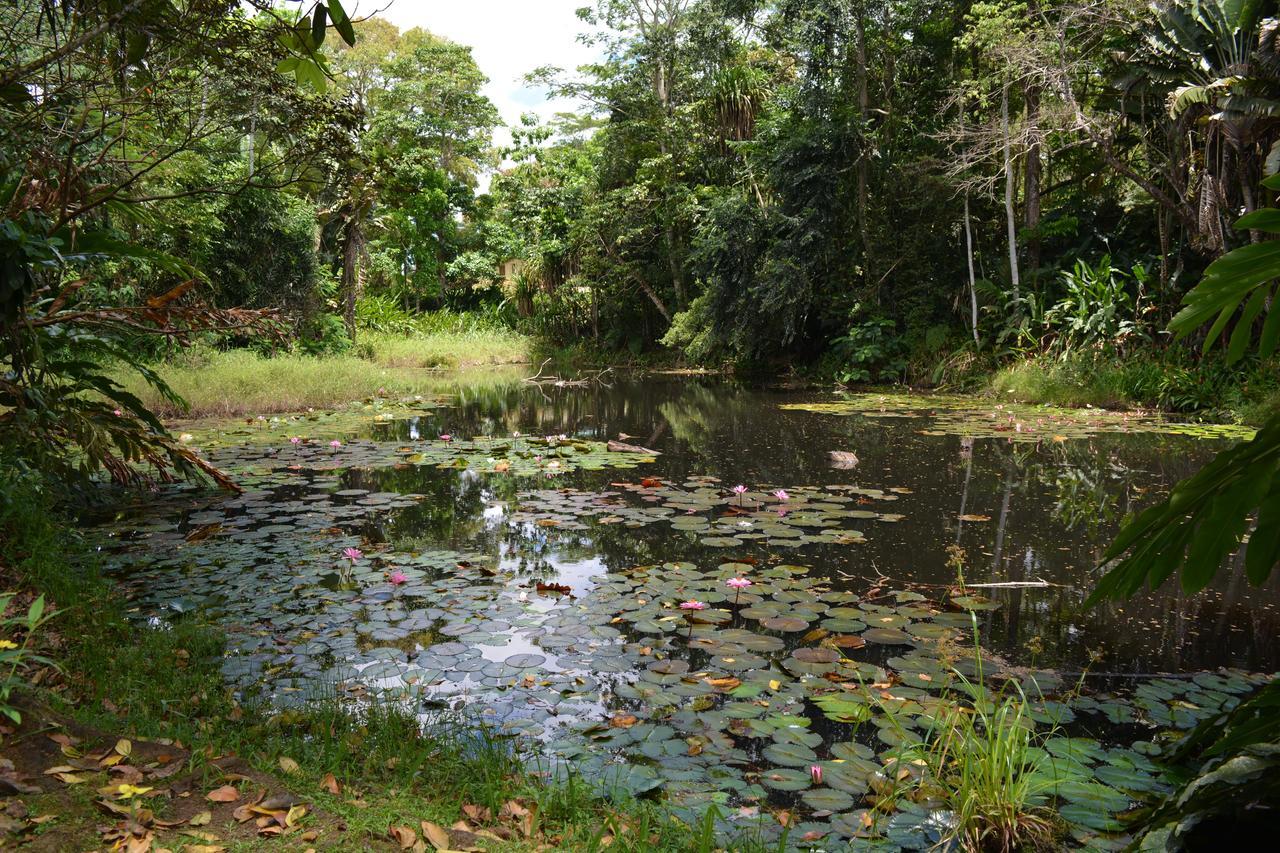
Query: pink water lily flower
[692, 605]
[118, 413]
[738, 583]
[352, 554]
[739, 490]
[335, 443]
[446, 437]
[782, 495]
[295, 440]
[398, 578]
[815, 773]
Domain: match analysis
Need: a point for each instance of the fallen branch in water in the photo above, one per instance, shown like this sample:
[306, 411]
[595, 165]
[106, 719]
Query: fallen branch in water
[561, 382]
[1035, 584]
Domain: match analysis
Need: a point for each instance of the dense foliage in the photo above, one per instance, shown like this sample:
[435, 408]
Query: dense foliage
[758, 180]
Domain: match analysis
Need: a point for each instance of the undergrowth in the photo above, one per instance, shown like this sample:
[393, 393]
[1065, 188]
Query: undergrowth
[1173, 382]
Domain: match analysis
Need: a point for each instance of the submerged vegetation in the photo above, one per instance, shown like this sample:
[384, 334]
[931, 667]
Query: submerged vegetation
[311, 535]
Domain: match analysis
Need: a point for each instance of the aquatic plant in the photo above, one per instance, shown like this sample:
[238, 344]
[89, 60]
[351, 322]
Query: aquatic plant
[737, 585]
[992, 776]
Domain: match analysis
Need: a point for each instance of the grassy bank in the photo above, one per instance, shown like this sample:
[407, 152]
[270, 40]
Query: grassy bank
[462, 348]
[1204, 389]
[238, 382]
[361, 770]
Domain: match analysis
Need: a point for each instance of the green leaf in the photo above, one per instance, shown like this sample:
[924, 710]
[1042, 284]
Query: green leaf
[1198, 524]
[341, 22]
[1264, 219]
[1264, 543]
[34, 613]
[1270, 329]
[318, 25]
[1243, 331]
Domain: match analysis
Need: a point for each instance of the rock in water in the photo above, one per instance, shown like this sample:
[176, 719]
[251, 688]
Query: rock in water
[842, 459]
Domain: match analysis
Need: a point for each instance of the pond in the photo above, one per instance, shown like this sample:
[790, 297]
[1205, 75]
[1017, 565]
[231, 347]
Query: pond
[487, 554]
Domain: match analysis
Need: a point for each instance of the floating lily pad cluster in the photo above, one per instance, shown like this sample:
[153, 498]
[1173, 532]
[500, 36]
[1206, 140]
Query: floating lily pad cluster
[356, 418]
[716, 516]
[776, 691]
[963, 416]
[548, 457]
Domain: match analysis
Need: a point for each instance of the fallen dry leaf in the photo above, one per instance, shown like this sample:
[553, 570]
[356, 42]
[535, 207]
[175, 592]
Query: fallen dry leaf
[436, 834]
[330, 784]
[288, 765]
[479, 814]
[225, 794]
[201, 819]
[404, 836]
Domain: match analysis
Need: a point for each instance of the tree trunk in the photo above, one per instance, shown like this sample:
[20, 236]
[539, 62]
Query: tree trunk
[1031, 174]
[973, 282]
[350, 274]
[863, 111]
[1009, 180]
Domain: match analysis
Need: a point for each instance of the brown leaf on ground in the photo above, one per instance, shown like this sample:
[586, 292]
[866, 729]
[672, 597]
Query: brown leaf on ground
[479, 814]
[225, 794]
[404, 836]
[623, 721]
[167, 770]
[514, 812]
[330, 784]
[437, 836]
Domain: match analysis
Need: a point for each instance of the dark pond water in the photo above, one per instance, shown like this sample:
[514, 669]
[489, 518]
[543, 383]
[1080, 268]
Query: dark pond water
[487, 554]
[1051, 508]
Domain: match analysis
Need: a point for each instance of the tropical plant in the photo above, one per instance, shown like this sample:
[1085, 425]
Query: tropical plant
[869, 350]
[1234, 778]
[1208, 515]
[1215, 62]
[1234, 499]
[16, 654]
[1097, 310]
[80, 173]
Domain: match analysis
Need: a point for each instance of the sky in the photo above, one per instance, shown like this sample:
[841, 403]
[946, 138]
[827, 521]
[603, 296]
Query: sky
[508, 39]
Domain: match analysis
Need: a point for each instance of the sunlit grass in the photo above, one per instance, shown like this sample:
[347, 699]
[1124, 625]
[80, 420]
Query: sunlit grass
[240, 382]
[452, 349]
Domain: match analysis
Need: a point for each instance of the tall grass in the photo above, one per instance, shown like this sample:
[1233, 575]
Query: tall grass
[458, 348]
[239, 382]
[987, 762]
